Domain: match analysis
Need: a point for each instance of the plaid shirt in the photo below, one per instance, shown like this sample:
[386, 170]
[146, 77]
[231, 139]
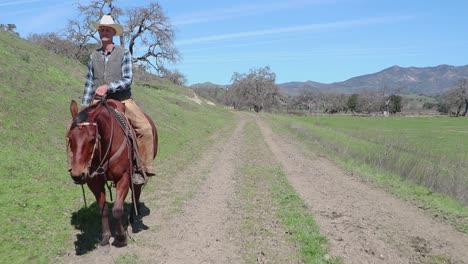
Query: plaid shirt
[115, 86]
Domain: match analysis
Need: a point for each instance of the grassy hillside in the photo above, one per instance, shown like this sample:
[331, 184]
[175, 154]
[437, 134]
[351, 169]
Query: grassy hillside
[37, 196]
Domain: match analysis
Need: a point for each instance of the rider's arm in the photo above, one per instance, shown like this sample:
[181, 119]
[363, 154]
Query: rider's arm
[88, 93]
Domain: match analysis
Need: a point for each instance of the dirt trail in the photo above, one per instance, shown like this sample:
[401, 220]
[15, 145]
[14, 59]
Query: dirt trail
[364, 224]
[197, 215]
[190, 220]
[201, 234]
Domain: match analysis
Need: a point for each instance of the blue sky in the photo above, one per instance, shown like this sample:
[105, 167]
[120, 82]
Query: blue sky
[318, 40]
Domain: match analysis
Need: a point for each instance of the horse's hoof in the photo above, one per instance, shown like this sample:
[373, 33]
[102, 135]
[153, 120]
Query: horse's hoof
[104, 241]
[120, 241]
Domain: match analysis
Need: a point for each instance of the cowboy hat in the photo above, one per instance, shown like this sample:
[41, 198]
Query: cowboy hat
[108, 21]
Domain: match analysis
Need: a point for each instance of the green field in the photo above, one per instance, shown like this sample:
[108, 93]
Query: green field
[422, 159]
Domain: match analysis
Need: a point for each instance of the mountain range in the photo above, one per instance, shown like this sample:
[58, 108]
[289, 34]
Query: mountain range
[415, 80]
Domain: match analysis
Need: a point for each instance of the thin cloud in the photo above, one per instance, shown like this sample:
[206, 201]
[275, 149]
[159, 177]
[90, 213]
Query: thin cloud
[242, 11]
[293, 29]
[18, 2]
[367, 53]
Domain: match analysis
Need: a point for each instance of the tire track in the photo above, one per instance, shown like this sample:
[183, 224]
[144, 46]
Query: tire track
[363, 223]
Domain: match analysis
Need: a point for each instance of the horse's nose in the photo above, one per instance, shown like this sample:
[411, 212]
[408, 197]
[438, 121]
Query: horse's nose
[80, 179]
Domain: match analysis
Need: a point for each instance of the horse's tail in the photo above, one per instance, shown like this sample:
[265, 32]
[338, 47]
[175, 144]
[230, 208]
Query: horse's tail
[155, 136]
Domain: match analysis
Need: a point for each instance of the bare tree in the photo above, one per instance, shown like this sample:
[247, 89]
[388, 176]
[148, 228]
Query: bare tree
[368, 102]
[256, 90]
[147, 30]
[325, 102]
[55, 43]
[335, 102]
[174, 76]
[151, 37]
[457, 98]
[313, 100]
[307, 98]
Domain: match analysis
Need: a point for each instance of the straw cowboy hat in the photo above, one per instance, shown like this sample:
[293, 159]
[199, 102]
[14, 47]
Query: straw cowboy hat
[108, 21]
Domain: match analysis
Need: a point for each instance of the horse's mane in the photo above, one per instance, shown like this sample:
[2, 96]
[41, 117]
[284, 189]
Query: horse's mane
[83, 115]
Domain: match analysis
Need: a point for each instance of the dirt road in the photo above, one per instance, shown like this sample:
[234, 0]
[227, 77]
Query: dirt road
[204, 214]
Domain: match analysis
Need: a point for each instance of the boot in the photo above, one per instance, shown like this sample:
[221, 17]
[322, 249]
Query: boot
[137, 178]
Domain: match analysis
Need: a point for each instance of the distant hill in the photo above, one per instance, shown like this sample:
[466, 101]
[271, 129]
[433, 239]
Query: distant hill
[417, 80]
[424, 80]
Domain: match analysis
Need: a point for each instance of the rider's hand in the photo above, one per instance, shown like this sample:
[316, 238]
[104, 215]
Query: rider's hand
[102, 90]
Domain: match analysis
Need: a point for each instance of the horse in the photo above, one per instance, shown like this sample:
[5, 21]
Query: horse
[102, 151]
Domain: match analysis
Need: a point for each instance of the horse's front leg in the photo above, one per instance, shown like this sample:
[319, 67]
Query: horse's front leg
[121, 187]
[100, 194]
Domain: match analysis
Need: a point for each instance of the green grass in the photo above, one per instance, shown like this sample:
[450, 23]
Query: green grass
[419, 159]
[40, 204]
[437, 260]
[299, 222]
[128, 258]
[261, 172]
[36, 195]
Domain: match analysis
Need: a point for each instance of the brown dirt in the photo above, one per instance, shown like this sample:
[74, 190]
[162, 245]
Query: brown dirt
[199, 215]
[363, 223]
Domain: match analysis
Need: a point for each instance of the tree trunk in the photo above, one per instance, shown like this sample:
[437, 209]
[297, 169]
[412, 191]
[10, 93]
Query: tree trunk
[459, 109]
[466, 107]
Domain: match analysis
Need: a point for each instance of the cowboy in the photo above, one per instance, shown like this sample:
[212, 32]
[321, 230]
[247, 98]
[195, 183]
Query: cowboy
[110, 73]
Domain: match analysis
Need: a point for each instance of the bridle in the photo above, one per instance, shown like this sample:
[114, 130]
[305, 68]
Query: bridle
[100, 169]
[105, 161]
[96, 141]
[103, 164]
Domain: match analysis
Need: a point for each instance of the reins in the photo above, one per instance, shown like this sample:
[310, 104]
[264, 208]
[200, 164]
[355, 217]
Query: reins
[100, 168]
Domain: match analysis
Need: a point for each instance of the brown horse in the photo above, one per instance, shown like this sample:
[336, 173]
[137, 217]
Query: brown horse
[102, 151]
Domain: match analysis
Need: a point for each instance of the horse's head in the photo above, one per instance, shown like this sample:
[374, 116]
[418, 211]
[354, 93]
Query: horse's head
[83, 138]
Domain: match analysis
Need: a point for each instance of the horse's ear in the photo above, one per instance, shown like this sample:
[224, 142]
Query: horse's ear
[73, 108]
